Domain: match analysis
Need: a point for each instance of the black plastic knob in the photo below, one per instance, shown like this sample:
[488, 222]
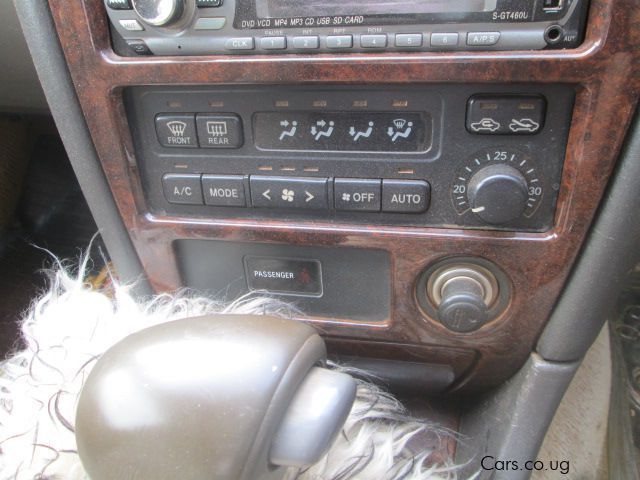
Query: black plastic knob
[498, 194]
[159, 13]
[463, 308]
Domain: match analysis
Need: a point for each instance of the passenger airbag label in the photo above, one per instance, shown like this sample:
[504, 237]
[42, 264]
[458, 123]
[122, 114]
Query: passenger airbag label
[288, 276]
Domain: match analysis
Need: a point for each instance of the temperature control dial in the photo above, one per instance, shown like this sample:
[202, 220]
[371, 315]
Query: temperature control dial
[159, 13]
[498, 194]
[498, 186]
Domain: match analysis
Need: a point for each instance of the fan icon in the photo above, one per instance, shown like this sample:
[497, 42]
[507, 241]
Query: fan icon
[287, 195]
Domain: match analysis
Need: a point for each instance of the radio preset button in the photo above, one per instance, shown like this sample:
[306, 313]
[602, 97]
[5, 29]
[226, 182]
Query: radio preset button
[240, 43]
[409, 40]
[219, 131]
[405, 196]
[289, 192]
[482, 39]
[306, 42]
[176, 131]
[224, 190]
[373, 41]
[444, 39]
[354, 194]
[210, 23]
[182, 188]
[340, 41]
[273, 43]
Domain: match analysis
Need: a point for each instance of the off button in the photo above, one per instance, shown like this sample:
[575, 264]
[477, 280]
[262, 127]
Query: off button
[352, 194]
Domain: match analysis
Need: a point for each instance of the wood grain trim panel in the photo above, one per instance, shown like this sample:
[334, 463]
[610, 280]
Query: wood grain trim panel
[604, 71]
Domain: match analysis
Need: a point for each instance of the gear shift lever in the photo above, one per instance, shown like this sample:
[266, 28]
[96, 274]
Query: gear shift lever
[230, 397]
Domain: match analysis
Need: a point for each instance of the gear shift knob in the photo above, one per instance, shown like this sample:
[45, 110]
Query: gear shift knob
[228, 397]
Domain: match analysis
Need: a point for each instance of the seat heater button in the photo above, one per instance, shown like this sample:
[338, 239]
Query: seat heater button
[219, 131]
[241, 43]
[405, 196]
[182, 188]
[224, 190]
[353, 194]
[289, 192]
[176, 130]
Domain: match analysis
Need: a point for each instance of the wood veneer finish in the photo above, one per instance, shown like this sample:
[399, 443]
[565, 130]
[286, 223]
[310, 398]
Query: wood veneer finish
[604, 71]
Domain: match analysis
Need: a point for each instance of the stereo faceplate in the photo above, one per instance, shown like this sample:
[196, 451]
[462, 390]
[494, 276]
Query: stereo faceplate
[371, 155]
[207, 27]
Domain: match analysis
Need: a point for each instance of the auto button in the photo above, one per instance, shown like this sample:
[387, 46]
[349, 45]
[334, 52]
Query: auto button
[405, 196]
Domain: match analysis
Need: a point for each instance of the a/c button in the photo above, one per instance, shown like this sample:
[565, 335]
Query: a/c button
[182, 188]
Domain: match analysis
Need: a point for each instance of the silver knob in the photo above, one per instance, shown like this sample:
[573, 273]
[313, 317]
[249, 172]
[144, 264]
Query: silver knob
[159, 13]
[463, 295]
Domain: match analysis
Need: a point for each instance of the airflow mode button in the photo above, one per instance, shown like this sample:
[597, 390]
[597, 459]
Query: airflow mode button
[224, 190]
[176, 130]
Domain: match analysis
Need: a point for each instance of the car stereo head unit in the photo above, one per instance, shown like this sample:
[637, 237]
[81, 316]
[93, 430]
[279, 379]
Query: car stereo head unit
[206, 27]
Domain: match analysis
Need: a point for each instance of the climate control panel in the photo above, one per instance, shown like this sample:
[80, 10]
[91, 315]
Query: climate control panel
[464, 156]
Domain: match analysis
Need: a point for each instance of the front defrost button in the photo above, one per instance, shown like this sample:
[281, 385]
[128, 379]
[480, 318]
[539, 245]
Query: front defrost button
[176, 130]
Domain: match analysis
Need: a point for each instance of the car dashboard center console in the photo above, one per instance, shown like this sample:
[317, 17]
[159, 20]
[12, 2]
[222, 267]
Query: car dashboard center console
[416, 179]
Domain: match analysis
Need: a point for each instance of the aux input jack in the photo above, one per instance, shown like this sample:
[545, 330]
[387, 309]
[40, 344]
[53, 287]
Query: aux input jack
[554, 34]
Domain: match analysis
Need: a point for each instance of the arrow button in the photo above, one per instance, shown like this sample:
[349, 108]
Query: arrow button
[308, 193]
